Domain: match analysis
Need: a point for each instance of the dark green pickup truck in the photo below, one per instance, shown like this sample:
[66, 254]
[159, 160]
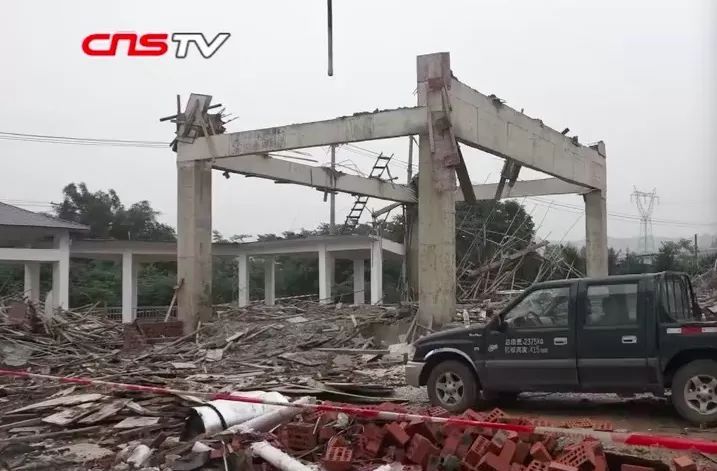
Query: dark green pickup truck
[620, 334]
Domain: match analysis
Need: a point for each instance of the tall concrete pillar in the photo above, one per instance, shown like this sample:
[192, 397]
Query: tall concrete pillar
[194, 241]
[411, 257]
[32, 282]
[326, 275]
[269, 281]
[436, 197]
[376, 272]
[243, 288]
[130, 274]
[359, 281]
[596, 233]
[61, 273]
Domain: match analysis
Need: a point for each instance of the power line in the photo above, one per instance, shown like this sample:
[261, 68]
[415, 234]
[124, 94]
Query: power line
[51, 139]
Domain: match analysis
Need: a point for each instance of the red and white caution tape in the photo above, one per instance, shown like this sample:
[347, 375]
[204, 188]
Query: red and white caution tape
[625, 438]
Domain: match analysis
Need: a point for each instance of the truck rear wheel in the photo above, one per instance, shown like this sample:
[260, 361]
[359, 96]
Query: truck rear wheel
[452, 385]
[694, 391]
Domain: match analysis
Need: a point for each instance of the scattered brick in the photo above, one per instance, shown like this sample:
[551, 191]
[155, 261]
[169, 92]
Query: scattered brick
[496, 415]
[396, 434]
[684, 463]
[438, 411]
[299, 436]
[522, 450]
[555, 466]
[420, 449]
[371, 439]
[424, 428]
[450, 445]
[476, 451]
[508, 451]
[578, 456]
[605, 426]
[338, 458]
[499, 439]
[634, 467]
[540, 453]
[517, 467]
[536, 465]
[492, 462]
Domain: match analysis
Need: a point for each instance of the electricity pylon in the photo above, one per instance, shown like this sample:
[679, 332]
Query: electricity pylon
[645, 205]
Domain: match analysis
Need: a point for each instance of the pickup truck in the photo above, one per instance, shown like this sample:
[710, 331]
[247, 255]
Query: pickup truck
[619, 334]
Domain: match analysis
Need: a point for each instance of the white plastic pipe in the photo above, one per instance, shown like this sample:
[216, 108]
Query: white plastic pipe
[276, 457]
[268, 421]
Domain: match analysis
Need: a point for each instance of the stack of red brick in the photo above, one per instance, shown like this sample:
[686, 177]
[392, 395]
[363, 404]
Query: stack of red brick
[423, 445]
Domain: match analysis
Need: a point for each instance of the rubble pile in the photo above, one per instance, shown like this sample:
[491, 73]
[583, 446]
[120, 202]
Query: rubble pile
[705, 286]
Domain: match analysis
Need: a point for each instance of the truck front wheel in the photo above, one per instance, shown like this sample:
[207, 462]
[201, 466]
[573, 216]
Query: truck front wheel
[453, 386]
[694, 391]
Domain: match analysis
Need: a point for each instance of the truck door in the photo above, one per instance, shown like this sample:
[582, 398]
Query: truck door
[612, 336]
[534, 347]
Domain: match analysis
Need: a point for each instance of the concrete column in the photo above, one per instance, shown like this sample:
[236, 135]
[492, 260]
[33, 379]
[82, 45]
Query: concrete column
[194, 241]
[32, 281]
[130, 272]
[596, 233]
[359, 281]
[243, 266]
[269, 281]
[411, 257]
[376, 272]
[61, 273]
[326, 275]
[436, 198]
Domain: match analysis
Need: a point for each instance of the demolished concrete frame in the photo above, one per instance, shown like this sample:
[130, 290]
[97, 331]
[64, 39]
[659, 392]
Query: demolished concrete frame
[448, 112]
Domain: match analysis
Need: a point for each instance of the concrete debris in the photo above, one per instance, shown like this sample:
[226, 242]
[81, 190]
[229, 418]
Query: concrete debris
[353, 355]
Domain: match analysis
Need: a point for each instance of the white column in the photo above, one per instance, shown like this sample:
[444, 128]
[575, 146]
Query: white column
[194, 241]
[61, 273]
[32, 281]
[376, 272]
[359, 281]
[596, 234]
[269, 281]
[243, 267]
[437, 157]
[326, 275]
[130, 271]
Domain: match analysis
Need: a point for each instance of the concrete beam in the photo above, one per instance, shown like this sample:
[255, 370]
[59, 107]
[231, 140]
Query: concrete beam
[484, 123]
[359, 127]
[29, 255]
[321, 178]
[541, 187]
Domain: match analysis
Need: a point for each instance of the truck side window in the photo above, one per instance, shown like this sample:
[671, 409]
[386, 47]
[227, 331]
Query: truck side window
[546, 307]
[613, 304]
[675, 301]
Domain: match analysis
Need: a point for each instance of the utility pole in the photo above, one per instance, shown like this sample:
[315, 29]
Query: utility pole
[332, 196]
[645, 202]
[696, 255]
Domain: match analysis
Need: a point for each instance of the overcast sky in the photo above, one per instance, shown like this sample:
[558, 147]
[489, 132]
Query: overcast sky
[639, 75]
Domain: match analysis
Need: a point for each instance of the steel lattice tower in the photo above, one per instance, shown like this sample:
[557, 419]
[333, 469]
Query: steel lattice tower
[645, 205]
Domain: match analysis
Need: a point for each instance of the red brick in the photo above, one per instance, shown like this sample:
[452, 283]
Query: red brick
[299, 436]
[538, 452]
[550, 442]
[438, 411]
[499, 439]
[371, 439]
[325, 433]
[508, 451]
[496, 415]
[517, 467]
[450, 444]
[338, 458]
[420, 449]
[605, 426]
[522, 450]
[396, 434]
[464, 445]
[476, 451]
[536, 465]
[582, 422]
[578, 456]
[634, 467]
[684, 463]
[555, 466]
[390, 407]
[493, 462]
[422, 427]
